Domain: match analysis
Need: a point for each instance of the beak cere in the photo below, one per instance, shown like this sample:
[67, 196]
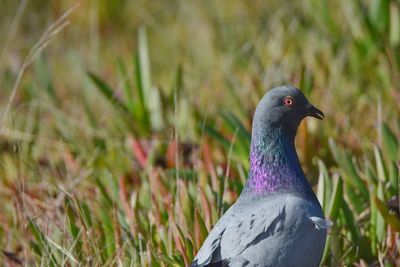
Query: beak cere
[314, 112]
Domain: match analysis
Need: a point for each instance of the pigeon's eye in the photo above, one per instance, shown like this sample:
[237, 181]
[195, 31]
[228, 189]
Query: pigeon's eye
[288, 101]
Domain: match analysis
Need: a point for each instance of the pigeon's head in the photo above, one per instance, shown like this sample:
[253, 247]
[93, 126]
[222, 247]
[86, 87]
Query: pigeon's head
[284, 107]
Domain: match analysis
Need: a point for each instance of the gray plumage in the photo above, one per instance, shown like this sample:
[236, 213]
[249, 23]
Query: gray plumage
[277, 220]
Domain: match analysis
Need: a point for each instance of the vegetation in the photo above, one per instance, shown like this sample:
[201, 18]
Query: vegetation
[125, 125]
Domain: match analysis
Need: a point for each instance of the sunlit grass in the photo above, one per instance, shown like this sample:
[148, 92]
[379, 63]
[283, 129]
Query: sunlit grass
[127, 137]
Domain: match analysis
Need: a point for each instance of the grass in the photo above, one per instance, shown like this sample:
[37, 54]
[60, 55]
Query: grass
[125, 138]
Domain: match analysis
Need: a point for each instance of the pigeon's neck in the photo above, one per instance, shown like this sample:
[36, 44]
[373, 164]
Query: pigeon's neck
[274, 164]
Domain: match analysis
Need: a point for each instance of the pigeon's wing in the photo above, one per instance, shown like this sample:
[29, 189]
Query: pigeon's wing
[237, 230]
[251, 227]
[265, 231]
[277, 232]
[210, 251]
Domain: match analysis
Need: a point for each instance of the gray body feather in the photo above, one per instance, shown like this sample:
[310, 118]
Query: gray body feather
[275, 231]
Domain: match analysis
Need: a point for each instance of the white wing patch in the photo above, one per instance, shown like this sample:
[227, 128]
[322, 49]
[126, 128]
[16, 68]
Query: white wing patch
[320, 223]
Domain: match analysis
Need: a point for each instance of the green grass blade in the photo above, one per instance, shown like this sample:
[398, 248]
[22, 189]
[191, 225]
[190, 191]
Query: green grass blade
[379, 13]
[74, 230]
[333, 211]
[42, 245]
[394, 34]
[325, 187]
[390, 143]
[394, 178]
[380, 166]
[336, 199]
[350, 174]
[142, 65]
[109, 234]
[106, 91]
[380, 222]
[127, 88]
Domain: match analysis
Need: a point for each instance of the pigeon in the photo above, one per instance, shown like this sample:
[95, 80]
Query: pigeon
[277, 219]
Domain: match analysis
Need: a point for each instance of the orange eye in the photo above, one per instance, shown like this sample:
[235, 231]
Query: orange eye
[288, 101]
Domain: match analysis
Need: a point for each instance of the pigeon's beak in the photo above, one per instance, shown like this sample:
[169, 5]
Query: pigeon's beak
[314, 112]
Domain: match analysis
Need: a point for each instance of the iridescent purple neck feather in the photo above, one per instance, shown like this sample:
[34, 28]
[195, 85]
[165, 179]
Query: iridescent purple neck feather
[274, 164]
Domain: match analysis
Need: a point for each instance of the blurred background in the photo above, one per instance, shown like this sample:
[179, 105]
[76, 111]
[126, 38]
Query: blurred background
[125, 125]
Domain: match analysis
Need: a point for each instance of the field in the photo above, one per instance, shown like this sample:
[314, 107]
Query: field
[125, 125]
